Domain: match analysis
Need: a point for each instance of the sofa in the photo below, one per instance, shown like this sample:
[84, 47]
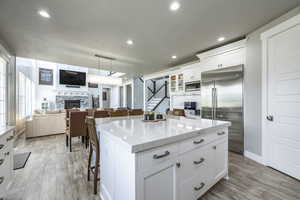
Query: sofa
[50, 123]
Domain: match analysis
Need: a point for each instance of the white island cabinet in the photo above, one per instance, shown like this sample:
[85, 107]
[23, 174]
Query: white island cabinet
[177, 159]
[6, 158]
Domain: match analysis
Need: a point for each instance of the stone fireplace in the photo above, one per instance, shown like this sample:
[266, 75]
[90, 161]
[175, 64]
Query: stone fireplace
[69, 104]
[66, 102]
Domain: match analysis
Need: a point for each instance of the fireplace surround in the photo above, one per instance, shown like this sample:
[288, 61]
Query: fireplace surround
[69, 104]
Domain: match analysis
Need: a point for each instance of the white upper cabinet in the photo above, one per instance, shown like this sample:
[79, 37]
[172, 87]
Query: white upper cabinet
[232, 58]
[226, 56]
[192, 72]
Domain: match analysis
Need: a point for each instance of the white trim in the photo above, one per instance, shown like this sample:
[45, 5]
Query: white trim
[254, 157]
[223, 49]
[292, 22]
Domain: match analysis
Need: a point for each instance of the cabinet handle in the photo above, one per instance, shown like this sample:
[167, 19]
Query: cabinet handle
[221, 133]
[1, 179]
[198, 142]
[10, 138]
[178, 165]
[214, 147]
[1, 161]
[199, 162]
[161, 156]
[1, 146]
[6, 154]
[200, 187]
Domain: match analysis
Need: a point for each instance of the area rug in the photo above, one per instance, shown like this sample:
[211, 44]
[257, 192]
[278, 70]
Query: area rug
[20, 160]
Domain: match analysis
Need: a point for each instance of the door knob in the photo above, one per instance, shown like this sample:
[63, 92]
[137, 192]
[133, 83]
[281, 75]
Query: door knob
[270, 118]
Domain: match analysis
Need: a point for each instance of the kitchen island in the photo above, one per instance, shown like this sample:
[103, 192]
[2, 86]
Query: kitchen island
[176, 159]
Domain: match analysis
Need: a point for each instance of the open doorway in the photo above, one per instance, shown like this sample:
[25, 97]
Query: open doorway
[106, 97]
[129, 96]
[121, 96]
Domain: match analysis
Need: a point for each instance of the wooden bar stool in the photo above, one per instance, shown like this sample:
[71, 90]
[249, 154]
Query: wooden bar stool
[94, 148]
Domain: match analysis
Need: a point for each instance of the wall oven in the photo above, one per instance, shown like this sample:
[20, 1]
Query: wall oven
[193, 86]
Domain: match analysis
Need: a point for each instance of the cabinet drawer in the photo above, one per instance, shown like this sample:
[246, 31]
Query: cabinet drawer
[5, 172]
[193, 188]
[202, 140]
[6, 141]
[197, 162]
[157, 156]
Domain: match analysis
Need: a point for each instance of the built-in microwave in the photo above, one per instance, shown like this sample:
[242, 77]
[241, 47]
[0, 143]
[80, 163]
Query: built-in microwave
[193, 86]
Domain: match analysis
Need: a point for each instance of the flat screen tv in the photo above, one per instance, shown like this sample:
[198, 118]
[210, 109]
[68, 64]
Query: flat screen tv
[67, 77]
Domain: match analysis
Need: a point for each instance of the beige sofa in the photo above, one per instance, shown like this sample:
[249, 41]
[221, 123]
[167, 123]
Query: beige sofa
[50, 123]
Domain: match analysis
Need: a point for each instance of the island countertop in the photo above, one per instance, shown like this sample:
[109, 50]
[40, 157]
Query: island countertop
[140, 136]
[5, 129]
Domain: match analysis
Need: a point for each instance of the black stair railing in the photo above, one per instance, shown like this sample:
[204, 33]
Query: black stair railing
[153, 94]
[165, 85]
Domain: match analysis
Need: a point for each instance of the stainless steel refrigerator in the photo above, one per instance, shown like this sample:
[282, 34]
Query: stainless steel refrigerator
[222, 99]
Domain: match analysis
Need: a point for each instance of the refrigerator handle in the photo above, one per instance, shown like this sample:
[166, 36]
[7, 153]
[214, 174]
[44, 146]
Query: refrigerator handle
[212, 103]
[216, 98]
[215, 103]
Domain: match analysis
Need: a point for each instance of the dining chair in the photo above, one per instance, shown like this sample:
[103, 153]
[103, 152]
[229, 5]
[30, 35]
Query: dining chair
[68, 111]
[77, 127]
[136, 112]
[90, 111]
[94, 150]
[119, 113]
[101, 114]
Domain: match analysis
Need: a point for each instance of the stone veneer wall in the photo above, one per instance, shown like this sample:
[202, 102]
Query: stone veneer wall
[60, 101]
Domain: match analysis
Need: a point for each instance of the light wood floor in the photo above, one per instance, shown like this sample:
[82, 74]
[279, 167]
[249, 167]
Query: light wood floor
[53, 173]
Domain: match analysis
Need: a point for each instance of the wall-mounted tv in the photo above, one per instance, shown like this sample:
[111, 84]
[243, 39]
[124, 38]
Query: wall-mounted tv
[67, 77]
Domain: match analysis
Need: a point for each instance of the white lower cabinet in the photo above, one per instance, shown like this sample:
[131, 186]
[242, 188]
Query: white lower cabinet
[161, 184]
[183, 170]
[6, 160]
[187, 175]
[220, 159]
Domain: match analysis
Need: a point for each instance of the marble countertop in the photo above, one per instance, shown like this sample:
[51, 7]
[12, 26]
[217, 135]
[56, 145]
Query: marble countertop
[140, 136]
[5, 129]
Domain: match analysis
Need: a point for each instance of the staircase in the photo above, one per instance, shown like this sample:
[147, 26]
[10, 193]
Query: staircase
[157, 98]
[153, 103]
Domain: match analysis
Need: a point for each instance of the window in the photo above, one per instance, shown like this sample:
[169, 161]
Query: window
[25, 95]
[2, 92]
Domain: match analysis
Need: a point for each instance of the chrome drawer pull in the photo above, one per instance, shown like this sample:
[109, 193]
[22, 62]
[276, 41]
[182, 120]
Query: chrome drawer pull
[10, 138]
[1, 179]
[1, 161]
[200, 187]
[199, 162]
[1, 146]
[198, 142]
[222, 133]
[161, 156]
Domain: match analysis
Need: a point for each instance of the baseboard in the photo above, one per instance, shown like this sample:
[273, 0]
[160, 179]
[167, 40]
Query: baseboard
[254, 157]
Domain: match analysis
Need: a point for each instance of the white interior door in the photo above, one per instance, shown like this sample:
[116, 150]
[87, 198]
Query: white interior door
[283, 102]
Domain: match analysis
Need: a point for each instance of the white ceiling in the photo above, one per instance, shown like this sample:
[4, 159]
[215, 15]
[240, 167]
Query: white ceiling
[78, 29]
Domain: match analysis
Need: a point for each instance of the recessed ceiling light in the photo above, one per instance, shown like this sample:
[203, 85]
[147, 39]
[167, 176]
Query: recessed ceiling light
[44, 14]
[129, 42]
[174, 57]
[174, 6]
[221, 39]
